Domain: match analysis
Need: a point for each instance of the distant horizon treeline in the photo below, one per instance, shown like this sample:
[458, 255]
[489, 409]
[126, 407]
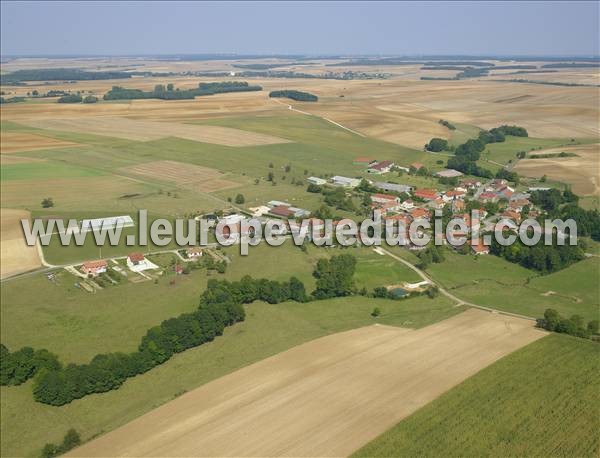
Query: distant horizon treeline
[169, 92]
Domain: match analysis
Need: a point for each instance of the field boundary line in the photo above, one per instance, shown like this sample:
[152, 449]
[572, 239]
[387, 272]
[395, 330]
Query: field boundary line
[290, 107]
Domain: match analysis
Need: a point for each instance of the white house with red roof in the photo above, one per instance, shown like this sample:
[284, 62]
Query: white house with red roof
[94, 267]
[381, 167]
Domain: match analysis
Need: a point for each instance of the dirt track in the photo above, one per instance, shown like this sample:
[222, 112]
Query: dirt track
[327, 397]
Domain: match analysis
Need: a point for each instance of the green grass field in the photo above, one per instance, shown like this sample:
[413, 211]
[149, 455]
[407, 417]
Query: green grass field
[541, 400]
[496, 283]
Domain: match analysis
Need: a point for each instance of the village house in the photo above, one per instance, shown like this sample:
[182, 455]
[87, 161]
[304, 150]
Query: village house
[480, 248]
[454, 194]
[470, 183]
[407, 205]
[420, 213]
[138, 262]
[512, 215]
[381, 167]
[316, 181]
[384, 198]
[194, 252]
[94, 267]
[388, 206]
[436, 204]
[488, 196]
[458, 206]
[517, 205]
[282, 211]
[345, 181]
[426, 194]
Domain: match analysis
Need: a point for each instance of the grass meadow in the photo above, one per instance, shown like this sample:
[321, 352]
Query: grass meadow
[541, 400]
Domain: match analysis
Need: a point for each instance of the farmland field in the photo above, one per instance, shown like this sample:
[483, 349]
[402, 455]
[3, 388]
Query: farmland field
[268, 330]
[541, 400]
[318, 378]
[382, 374]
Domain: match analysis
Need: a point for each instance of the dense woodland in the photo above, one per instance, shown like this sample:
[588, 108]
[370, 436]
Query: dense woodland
[169, 92]
[294, 95]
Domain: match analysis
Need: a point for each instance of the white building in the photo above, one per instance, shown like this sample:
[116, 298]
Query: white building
[345, 181]
[317, 181]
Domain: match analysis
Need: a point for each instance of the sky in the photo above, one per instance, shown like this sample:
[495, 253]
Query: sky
[324, 28]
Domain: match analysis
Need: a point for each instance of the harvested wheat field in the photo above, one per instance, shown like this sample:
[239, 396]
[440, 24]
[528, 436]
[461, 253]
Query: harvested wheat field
[188, 176]
[15, 256]
[327, 397]
[142, 130]
[582, 172]
[15, 142]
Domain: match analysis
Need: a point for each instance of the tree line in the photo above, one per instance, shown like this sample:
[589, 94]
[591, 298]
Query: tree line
[574, 326]
[169, 92]
[467, 154]
[221, 305]
[540, 257]
[61, 74]
[294, 95]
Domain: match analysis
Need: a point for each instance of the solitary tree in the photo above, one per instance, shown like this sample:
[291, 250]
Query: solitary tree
[48, 202]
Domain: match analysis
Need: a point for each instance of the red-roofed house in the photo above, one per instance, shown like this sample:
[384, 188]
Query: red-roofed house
[516, 217]
[480, 248]
[384, 198]
[94, 267]
[281, 210]
[138, 262]
[416, 165]
[419, 213]
[194, 252]
[426, 194]
[381, 167]
[488, 197]
[437, 204]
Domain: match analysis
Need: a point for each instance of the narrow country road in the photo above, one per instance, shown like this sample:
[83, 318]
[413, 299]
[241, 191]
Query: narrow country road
[449, 295]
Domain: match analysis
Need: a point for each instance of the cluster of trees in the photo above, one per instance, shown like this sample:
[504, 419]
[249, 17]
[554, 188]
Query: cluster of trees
[431, 254]
[169, 92]
[294, 95]
[60, 74]
[437, 145]
[70, 441]
[70, 98]
[336, 198]
[447, 124]
[552, 199]
[19, 366]
[90, 99]
[12, 100]
[335, 276]
[588, 221]
[540, 257]
[574, 326]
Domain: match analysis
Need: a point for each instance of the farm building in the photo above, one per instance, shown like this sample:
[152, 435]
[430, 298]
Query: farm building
[106, 223]
[393, 187]
[282, 210]
[94, 267]
[317, 181]
[381, 167]
[470, 183]
[449, 173]
[345, 181]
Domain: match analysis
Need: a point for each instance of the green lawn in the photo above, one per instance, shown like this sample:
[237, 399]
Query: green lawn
[494, 282]
[44, 170]
[541, 400]
[268, 329]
